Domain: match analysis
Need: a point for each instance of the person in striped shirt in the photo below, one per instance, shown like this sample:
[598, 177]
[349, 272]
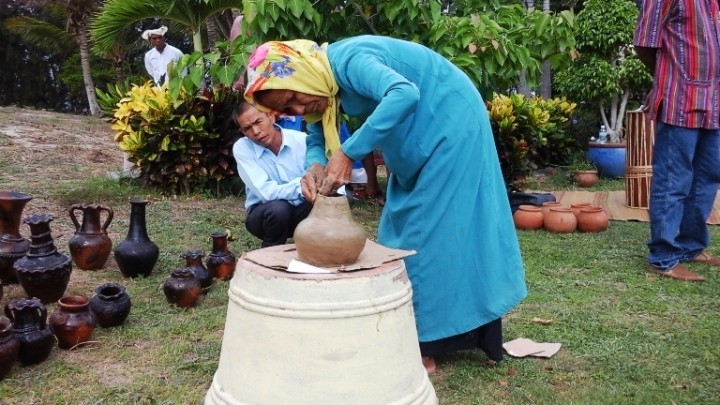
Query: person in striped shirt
[679, 41]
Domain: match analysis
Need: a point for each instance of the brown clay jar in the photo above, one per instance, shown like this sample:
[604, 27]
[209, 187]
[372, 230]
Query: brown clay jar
[577, 206]
[9, 346]
[586, 178]
[221, 262]
[193, 261]
[90, 246]
[560, 220]
[528, 217]
[547, 205]
[72, 322]
[592, 219]
[182, 288]
[329, 236]
[12, 245]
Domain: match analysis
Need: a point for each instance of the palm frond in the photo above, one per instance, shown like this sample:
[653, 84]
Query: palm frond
[43, 34]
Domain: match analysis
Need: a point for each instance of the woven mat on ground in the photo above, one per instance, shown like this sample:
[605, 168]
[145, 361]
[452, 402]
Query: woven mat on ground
[615, 205]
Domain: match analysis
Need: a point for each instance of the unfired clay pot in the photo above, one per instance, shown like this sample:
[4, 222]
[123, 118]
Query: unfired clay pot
[528, 217]
[329, 236]
[560, 220]
[547, 205]
[586, 178]
[578, 206]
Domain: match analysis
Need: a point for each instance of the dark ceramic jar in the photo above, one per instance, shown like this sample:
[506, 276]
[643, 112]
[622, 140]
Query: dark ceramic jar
[182, 288]
[90, 246]
[72, 322]
[44, 272]
[29, 317]
[193, 261]
[137, 254]
[111, 305]
[12, 245]
[9, 346]
[221, 262]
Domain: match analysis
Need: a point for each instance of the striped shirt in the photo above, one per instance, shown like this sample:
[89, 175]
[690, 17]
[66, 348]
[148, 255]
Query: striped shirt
[687, 71]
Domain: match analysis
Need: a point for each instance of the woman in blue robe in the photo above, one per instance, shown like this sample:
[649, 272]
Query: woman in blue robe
[446, 198]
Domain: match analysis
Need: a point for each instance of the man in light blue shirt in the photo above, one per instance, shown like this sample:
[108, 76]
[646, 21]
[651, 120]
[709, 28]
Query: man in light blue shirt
[270, 162]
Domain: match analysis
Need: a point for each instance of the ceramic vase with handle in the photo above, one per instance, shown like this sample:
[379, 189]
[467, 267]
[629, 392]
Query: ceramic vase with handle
[29, 318]
[90, 246]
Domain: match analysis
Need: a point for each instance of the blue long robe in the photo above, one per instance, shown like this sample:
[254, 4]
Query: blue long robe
[446, 197]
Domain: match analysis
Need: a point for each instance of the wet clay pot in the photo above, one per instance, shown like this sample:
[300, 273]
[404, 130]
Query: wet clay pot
[9, 346]
[44, 272]
[12, 245]
[547, 205]
[137, 254]
[182, 288]
[528, 217]
[193, 262]
[578, 206]
[110, 304]
[29, 318]
[592, 219]
[72, 322]
[329, 236]
[586, 178]
[221, 262]
[90, 246]
[560, 220]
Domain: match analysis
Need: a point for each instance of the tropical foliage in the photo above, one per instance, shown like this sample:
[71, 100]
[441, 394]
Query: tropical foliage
[182, 143]
[530, 133]
[607, 73]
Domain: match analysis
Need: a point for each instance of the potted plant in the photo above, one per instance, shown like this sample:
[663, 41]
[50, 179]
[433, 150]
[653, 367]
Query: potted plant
[605, 74]
[583, 172]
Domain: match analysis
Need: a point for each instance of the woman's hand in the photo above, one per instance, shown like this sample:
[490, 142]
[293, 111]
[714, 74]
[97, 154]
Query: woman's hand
[337, 172]
[311, 181]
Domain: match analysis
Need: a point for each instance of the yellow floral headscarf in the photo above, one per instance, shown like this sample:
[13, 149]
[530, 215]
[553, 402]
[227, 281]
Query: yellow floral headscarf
[301, 66]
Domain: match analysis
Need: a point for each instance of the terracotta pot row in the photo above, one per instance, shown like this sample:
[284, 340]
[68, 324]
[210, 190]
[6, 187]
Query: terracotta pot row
[554, 217]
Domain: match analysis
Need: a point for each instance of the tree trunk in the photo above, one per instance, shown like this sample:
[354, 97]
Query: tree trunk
[546, 77]
[523, 87]
[87, 77]
[211, 33]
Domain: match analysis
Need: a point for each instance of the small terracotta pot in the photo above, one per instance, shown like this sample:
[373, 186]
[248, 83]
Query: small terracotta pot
[547, 205]
[586, 178]
[560, 220]
[73, 322]
[528, 217]
[577, 206]
[592, 219]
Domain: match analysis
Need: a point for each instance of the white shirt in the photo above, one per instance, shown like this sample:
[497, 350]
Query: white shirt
[156, 62]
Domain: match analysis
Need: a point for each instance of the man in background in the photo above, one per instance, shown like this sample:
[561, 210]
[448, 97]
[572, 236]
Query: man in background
[157, 58]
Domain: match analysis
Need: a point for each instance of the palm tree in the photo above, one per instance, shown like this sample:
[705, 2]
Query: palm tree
[118, 14]
[45, 34]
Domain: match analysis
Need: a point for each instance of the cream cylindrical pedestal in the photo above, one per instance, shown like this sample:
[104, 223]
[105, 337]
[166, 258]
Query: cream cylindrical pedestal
[341, 338]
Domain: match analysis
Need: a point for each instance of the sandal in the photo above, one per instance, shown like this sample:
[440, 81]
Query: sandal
[374, 199]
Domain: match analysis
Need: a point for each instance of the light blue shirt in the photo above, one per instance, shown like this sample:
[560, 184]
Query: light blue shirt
[268, 177]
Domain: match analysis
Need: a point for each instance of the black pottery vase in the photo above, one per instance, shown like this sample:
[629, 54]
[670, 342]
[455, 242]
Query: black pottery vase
[182, 288]
[221, 262]
[193, 262]
[137, 254]
[43, 272]
[111, 305]
[12, 245]
[29, 318]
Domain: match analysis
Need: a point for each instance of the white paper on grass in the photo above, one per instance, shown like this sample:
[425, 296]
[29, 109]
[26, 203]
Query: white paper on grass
[522, 347]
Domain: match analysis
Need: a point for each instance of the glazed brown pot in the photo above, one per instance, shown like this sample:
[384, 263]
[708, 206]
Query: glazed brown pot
[182, 288]
[43, 272]
[72, 322]
[12, 245]
[193, 262]
[528, 217]
[547, 205]
[329, 236]
[9, 346]
[221, 262]
[586, 178]
[90, 246]
[577, 206]
[560, 220]
[29, 317]
[592, 219]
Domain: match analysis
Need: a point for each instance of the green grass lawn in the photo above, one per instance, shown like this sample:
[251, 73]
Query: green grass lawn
[628, 337]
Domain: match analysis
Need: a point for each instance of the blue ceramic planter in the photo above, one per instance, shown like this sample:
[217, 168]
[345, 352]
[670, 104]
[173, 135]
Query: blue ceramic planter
[609, 158]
